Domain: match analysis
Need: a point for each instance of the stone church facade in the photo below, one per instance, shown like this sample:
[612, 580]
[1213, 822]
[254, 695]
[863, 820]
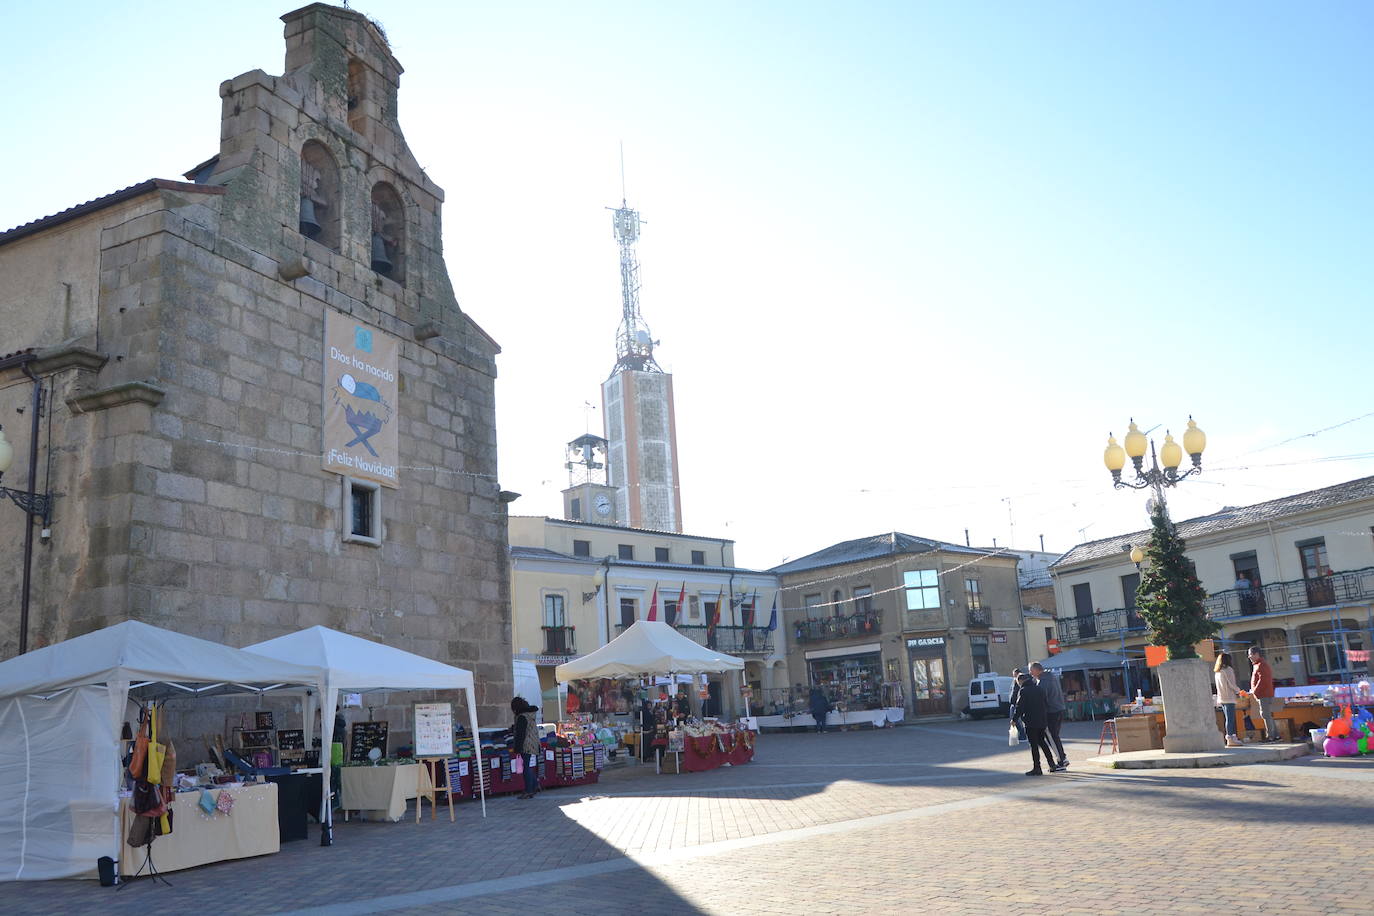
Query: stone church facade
[176, 332]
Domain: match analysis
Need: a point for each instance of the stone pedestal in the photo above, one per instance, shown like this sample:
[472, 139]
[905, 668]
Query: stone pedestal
[1189, 712]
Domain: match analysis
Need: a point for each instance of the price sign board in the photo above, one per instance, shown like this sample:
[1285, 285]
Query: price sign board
[433, 729]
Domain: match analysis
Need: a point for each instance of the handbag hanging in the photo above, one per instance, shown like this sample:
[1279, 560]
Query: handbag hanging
[137, 764]
[156, 751]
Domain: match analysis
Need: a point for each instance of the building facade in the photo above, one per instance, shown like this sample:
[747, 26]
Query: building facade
[266, 409]
[900, 620]
[577, 585]
[1292, 575]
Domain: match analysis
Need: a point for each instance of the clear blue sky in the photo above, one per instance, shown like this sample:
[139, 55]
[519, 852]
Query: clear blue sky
[909, 262]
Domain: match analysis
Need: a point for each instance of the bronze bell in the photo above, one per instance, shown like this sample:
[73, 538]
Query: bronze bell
[310, 227]
[380, 262]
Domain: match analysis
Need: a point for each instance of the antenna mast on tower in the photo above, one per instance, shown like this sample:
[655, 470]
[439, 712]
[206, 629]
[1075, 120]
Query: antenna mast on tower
[634, 345]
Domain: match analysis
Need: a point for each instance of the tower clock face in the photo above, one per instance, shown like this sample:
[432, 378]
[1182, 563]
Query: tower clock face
[603, 504]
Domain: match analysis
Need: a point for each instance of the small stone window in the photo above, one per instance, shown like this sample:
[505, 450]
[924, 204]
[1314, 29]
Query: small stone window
[357, 94]
[319, 205]
[388, 233]
[362, 512]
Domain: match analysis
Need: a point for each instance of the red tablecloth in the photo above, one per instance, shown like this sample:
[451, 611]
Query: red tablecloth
[700, 754]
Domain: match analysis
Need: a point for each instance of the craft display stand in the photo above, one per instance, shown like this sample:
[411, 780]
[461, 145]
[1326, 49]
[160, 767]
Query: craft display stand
[436, 766]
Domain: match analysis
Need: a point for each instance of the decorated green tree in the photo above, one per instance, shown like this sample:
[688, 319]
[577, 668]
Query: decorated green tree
[1170, 596]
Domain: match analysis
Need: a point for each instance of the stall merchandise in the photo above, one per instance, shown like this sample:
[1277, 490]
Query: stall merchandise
[62, 708]
[247, 828]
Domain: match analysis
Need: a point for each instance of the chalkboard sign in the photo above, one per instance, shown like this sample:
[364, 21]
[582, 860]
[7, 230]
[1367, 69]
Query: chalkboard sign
[433, 729]
[291, 739]
[366, 736]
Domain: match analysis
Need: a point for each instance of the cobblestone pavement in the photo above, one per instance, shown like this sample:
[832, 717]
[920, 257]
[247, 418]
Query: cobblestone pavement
[932, 818]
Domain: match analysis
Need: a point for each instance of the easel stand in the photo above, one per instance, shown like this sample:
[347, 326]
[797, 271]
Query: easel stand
[434, 766]
[153, 873]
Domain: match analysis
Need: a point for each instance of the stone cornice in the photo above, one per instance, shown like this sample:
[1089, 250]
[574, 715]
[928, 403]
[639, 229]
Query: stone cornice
[117, 396]
[59, 358]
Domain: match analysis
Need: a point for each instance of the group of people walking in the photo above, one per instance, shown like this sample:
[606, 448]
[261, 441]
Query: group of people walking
[1037, 709]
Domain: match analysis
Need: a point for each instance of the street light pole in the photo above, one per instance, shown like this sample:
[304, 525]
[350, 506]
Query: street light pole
[31, 501]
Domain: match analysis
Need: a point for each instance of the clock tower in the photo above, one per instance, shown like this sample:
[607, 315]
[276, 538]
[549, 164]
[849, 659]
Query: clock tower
[589, 497]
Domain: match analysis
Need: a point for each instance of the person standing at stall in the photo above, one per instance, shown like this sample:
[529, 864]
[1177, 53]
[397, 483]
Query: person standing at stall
[1227, 693]
[526, 742]
[820, 706]
[1262, 689]
[1031, 705]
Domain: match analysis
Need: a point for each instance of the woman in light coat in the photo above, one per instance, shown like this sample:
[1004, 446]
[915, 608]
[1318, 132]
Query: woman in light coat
[1227, 691]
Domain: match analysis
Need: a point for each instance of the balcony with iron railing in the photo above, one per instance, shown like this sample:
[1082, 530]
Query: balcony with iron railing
[560, 640]
[730, 639]
[849, 626]
[1101, 625]
[1347, 587]
[979, 618]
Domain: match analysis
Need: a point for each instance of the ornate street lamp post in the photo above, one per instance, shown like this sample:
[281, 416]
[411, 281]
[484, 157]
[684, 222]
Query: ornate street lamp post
[1170, 596]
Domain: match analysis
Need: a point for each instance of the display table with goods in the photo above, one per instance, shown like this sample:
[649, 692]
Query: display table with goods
[232, 821]
[569, 755]
[839, 718]
[380, 792]
[700, 746]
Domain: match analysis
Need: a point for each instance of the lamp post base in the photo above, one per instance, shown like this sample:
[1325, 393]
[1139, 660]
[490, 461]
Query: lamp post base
[1189, 711]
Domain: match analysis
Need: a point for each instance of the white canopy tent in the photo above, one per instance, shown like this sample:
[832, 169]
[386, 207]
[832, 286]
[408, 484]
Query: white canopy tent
[648, 647]
[61, 709]
[354, 664]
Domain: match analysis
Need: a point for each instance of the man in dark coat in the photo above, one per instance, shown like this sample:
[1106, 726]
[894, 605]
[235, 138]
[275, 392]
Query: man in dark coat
[820, 706]
[1013, 713]
[1031, 704]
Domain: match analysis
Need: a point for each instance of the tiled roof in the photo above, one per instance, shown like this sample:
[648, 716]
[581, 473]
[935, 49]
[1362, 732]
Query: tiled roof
[894, 543]
[133, 190]
[1228, 518]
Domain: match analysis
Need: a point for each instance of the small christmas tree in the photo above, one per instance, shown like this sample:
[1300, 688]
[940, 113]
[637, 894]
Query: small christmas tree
[1170, 596]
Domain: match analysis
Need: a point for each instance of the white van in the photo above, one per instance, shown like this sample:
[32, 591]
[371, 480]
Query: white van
[989, 694]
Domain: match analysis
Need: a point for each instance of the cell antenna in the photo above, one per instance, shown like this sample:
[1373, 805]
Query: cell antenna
[634, 345]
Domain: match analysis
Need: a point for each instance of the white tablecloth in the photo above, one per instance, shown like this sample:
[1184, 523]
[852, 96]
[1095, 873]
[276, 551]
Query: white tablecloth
[249, 829]
[836, 719]
[382, 792]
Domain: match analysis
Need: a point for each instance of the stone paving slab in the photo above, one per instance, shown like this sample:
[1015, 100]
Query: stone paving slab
[1158, 759]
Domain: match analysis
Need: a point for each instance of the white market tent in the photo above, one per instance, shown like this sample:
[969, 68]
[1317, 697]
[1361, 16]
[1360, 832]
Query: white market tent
[648, 647]
[61, 710]
[359, 665]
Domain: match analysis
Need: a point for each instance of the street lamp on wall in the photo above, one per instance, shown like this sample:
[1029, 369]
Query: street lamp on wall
[39, 504]
[598, 581]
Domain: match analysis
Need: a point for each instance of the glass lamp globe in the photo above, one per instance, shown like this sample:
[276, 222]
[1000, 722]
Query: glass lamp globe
[1136, 443]
[1114, 456]
[1171, 455]
[6, 452]
[1194, 440]
[1137, 555]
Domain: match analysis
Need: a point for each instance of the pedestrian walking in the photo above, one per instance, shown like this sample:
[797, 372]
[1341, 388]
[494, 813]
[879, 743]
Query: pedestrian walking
[1032, 707]
[526, 742]
[1048, 682]
[1012, 713]
[820, 706]
[1227, 694]
[1262, 689]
